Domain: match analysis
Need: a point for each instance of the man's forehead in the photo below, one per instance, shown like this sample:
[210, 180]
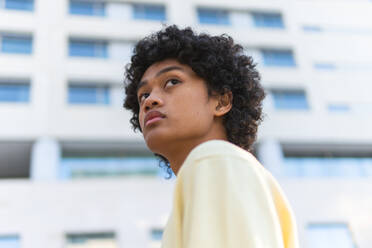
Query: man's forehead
[153, 69]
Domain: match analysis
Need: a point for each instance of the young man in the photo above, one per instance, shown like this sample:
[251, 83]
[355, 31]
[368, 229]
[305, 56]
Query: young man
[198, 102]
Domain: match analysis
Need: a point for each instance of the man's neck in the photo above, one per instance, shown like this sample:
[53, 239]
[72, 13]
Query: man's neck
[179, 153]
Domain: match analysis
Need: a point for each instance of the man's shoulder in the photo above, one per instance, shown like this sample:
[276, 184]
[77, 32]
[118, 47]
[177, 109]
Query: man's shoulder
[220, 157]
[219, 148]
[221, 153]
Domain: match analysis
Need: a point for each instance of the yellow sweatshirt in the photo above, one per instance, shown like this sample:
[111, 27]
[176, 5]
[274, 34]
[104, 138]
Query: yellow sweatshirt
[224, 198]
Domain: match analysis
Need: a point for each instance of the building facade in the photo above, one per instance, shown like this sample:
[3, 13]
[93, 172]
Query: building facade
[73, 173]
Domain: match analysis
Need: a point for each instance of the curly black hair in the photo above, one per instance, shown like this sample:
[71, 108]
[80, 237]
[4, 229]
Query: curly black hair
[219, 61]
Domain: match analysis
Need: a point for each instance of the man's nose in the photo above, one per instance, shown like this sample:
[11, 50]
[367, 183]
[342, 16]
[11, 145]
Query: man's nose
[152, 100]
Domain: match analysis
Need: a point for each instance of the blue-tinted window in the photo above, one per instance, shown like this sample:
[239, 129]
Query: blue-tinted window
[101, 239]
[324, 66]
[329, 235]
[11, 241]
[110, 166]
[88, 48]
[321, 167]
[14, 92]
[149, 12]
[213, 16]
[88, 94]
[268, 20]
[308, 28]
[290, 100]
[156, 234]
[90, 8]
[16, 44]
[27, 5]
[281, 58]
[338, 108]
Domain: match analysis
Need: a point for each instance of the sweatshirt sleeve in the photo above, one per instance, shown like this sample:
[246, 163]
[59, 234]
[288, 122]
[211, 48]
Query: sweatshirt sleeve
[227, 203]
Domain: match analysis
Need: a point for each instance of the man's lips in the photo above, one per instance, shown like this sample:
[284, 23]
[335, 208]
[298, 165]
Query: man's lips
[153, 116]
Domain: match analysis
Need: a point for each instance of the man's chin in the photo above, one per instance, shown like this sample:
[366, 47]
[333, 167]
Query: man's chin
[156, 142]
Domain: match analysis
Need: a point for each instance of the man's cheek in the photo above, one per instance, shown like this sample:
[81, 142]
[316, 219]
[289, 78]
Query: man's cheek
[140, 121]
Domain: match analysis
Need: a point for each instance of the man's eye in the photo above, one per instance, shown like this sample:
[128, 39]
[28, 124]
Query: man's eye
[143, 96]
[172, 82]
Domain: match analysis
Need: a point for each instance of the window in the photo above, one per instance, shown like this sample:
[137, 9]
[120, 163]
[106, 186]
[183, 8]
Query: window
[324, 66]
[9, 241]
[338, 107]
[88, 94]
[89, 8]
[14, 92]
[149, 12]
[311, 28]
[91, 240]
[267, 20]
[329, 235]
[156, 237]
[213, 16]
[325, 167]
[27, 5]
[16, 44]
[156, 234]
[88, 48]
[281, 58]
[290, 100]
[108, 166]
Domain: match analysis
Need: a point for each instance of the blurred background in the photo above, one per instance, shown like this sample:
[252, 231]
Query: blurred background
[74, 175]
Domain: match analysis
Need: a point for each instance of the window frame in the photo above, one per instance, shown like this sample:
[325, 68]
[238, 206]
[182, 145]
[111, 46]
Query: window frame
[260, 22]
[144, 13]
[23, 97]
[99, 11]
[279, 94]
[29, 8]
[100, 49]
[79, 237]
[95, 166]
[225, 13]
[322, 225]
[25, 37]
[12, 236]
[102, 93]
[269, 60]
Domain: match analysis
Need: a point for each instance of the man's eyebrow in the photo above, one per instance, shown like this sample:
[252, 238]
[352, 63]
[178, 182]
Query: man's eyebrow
[170, 68]
[166, 69]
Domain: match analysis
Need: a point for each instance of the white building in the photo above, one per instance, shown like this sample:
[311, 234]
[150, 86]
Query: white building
[73, 174]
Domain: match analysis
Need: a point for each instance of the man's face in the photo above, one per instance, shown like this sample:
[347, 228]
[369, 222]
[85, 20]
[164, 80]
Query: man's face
[174, 106]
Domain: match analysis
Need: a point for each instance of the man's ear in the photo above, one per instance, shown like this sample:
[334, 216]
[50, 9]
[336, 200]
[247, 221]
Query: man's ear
[224, 103]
